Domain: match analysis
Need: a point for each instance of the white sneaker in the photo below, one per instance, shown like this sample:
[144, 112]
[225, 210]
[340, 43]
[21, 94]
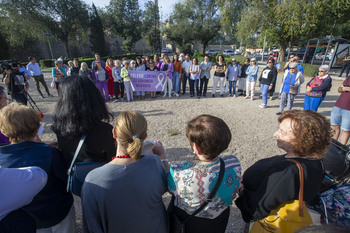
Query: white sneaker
[247, 97]
[177, 95]
[122, 99]
[272, 98]
[229, 94]
[115, 101]
[234, 96]
[164, 95]
[262, 106]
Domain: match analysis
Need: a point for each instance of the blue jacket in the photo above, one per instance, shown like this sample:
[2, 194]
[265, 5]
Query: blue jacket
[52, 204]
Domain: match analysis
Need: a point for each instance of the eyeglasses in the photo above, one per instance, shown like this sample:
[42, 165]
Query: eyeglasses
[269, 62]
[292, 68]
[322, 71]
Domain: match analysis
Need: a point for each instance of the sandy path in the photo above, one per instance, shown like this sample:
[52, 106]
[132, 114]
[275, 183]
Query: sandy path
[252, 127]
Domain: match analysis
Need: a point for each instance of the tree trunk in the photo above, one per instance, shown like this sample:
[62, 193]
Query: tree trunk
[203, 51]
[66, 48]
[282, 52]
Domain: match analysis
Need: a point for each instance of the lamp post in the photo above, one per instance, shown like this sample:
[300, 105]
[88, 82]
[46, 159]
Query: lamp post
[48, 33]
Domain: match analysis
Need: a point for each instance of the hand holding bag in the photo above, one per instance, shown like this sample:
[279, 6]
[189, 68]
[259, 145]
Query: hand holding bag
[289, 216]
[178, 226]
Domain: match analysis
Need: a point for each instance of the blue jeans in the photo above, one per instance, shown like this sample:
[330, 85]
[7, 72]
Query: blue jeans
[264, 90]
[176, 81]
[312, 103]
[232, 84]
[192, 84]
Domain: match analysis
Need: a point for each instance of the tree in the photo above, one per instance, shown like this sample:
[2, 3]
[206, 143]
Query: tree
[194, 19]
[231, 13]
[125, 18]
[179, 28]
[97, 37]
[63, 18]
[151, 31]
[290, 21]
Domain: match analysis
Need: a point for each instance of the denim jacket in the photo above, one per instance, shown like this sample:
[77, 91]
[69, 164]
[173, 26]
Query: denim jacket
[252, 73]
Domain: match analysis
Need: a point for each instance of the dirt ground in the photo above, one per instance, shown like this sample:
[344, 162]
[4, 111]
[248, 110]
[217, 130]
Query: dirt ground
[252, 127]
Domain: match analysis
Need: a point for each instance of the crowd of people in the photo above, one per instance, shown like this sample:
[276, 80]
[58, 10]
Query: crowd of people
[125, 194]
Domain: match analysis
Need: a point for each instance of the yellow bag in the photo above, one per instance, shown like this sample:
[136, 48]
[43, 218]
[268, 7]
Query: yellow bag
[289, 216]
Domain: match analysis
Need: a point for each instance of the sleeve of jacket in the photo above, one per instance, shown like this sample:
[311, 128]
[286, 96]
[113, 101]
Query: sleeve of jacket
[281, 186]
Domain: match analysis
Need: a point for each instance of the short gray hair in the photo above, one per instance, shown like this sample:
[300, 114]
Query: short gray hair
[324, 67]
[293, 64]
[125, 62]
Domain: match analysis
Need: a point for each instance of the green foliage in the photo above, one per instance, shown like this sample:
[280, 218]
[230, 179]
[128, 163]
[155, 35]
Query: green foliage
[193, 20]
[150, 25]
[97, 38]
[50, 63]
[231, 13]
[125, 21]
[289, 21]
[309, 70]
[63, 18]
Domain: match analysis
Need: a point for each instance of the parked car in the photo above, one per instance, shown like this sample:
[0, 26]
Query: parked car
[166, 50]
[238, 52]
[229, 52]
[212, 51]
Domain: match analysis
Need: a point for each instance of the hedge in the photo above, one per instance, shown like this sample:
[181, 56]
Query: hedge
[51, 63]
[309, 70]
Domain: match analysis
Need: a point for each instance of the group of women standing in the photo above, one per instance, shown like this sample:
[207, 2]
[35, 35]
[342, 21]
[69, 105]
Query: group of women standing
[125, 194]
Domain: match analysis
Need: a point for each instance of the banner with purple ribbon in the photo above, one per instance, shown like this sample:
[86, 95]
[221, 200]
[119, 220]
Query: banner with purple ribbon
[147, 80]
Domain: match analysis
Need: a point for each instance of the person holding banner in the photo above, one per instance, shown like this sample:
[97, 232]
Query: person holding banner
[157, 63]
[152, 67]
[127, 84]
[100, 77]
[118, 81]
[169, 68]
[194, 77]
[139, 66]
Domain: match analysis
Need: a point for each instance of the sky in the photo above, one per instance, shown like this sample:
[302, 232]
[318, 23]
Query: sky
[166, 6]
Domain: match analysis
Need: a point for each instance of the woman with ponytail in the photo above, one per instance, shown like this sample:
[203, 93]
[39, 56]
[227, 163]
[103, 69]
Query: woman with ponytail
[125, 195]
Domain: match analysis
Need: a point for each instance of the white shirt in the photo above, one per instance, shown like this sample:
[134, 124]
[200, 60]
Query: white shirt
[34, 69]
[186, 66]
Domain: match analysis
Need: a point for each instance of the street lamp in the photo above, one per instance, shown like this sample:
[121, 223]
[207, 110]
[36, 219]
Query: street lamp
[48, 33]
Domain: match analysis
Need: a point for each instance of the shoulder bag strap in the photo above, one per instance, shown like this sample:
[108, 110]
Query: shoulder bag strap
[82, 139]
[212, 193]
[301, 188]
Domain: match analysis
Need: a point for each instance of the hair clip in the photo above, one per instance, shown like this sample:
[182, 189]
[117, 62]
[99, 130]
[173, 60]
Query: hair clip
[134, 137]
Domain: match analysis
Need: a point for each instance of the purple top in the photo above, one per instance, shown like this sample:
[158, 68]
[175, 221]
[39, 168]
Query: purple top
[170, 67]
[4, 139]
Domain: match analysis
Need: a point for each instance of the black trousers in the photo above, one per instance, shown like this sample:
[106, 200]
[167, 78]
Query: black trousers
[17, 221]
[184, 82]
[203, 81]
[116, 88]
[20, 98]
[201, 225]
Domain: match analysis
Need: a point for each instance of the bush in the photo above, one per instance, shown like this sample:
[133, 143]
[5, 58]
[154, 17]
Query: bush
[46, 63]
[309, 70]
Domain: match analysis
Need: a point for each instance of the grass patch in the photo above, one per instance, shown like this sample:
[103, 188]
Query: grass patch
[173, 132]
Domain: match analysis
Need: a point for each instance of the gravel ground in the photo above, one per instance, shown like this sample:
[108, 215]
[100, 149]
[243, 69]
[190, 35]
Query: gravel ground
[252, 127]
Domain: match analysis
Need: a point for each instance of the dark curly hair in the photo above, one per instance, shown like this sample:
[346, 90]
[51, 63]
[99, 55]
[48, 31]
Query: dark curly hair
[80, 105]
[211, 134]
[312, 130]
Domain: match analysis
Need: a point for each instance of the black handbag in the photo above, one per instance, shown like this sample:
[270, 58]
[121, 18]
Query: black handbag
[176, 225]
[78, 171]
